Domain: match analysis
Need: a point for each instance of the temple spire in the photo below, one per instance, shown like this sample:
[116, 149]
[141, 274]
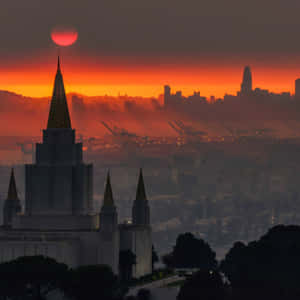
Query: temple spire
[59, 113]
[140, 208]
[12, 189]
[108, 195]
[108, 213]
[140, 192]
[58, 64]
[12, 204]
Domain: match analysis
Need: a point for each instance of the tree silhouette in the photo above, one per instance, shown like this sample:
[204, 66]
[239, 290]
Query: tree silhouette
[206, 285]
[32, 277]
[126, 261]
[270, 265]
[190, 252]
[143, 294]
[93, 282]
[155, 258]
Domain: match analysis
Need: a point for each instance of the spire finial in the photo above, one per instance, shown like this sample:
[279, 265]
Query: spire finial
[58, 63]
[12, 189]
[140, 209]
[141, 193]
[59, 113]
[108, 195]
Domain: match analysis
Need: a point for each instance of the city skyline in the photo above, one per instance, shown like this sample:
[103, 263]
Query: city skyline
[86, 79]
[121, 50]
[149, 149]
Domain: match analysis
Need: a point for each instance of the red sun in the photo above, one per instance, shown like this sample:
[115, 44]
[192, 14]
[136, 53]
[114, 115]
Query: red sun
[64, 36]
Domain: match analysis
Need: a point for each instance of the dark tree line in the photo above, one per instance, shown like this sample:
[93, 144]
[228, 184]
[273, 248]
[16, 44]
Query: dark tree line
[36, 277]
[268, 268]
[190, 252]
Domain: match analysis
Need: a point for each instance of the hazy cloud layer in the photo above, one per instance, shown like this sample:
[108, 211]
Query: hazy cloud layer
[137, 27]
[146, 116]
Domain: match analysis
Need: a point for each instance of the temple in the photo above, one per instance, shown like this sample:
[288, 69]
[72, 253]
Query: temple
[59, 219]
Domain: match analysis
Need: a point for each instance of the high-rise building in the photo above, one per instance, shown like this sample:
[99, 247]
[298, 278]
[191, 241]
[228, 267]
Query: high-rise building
[167, 90]
[297, 89]
[59, 219]
[167, 95]
[246, 86]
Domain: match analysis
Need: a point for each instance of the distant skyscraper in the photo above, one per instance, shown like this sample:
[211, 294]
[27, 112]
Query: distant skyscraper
[246, 86]
[167, 90]
[297, 89]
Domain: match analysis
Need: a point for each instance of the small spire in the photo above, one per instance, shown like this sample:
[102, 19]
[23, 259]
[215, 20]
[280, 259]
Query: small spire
[140, 192]
[12, 189]
[140, 208]
[108, 195]
[59, 116]
[58, 64]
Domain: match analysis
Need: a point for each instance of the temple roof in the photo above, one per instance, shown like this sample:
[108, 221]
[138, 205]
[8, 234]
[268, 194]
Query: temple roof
[141, 193]
[12, 189]
[108, 195]
[59, 113]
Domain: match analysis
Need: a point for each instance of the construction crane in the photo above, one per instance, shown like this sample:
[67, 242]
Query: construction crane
[178, 130]
[27, 150]
[117, 131]
[231, 131]
[108, 128]
[182, 129]
[236, 133]
[263, 131]
[189, 130]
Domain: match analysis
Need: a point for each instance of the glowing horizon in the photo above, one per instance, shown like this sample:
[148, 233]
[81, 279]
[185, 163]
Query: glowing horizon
[114, 77]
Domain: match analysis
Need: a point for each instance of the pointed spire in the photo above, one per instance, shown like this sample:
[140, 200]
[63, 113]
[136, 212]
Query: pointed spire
[108, 214]
[59, 113]
[58, 64]
[108, 195]
[140, 208]
[12, 189]
[140, 192]
[12, 204]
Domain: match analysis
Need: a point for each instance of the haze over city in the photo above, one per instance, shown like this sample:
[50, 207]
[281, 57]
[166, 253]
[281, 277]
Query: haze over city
[121, 50]
[149, 150]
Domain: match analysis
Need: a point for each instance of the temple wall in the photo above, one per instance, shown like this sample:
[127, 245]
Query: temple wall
[56, 222]
[143, 251]
[139, 240]
[109, 250]
[48, 189]
[62, 251]
[72, 248]
[82, 184]
[63, 189]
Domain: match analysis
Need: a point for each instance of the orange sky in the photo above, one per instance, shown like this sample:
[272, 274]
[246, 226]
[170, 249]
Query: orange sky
[113, 76]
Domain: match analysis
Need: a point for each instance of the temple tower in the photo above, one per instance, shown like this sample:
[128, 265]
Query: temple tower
[109, 231]
[59, 183]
